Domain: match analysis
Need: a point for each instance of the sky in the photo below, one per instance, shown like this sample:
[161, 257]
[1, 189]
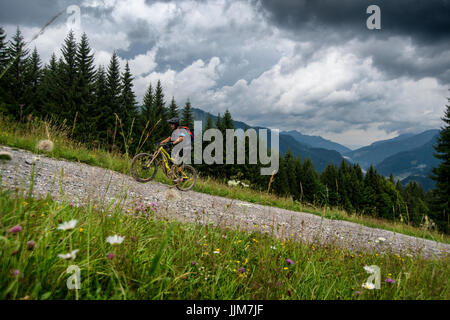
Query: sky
[306, 65]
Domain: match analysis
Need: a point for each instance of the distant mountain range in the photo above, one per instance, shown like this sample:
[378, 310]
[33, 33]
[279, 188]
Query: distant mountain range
[320, 157]
[408, 157]
[380, 150]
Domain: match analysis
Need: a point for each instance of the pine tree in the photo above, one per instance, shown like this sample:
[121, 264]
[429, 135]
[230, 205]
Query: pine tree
[187, 118]
[128, 108]
[15, 76]
[68, 83]
[441, 174]
[114, 90]
[173, 109]
[146, 116]
[50, 92]
[227, 121]
[3, 64]
[33, 77]
[100, 121]
[84, 91]
[163, 130]
[209, 122]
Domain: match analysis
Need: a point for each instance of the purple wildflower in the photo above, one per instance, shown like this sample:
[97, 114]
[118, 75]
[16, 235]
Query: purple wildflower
[72, 205]
[194, 263]
[16, 272]
[111, 256]
[31, 244]
[357, 293]
[389, 280]
[289, 261]
[15, 229]
[241, 270]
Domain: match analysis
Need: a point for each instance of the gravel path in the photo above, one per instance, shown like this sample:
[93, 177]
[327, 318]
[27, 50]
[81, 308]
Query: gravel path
[80, 183]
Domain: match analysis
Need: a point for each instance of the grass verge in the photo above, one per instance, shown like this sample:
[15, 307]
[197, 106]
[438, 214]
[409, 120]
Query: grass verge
[161, 259]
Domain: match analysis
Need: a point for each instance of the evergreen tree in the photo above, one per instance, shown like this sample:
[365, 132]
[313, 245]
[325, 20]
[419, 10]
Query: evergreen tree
[128, 110]
[160, 112]
[50, 92]
[187, 118]
[441, 174]
[15, 76]
[33, 76]
[114, 90]
[68, 77]
[100, 118]
[173, 109]
[3, 64]
[227, 121]
[146, 114]
[85, 90]
[209, 123]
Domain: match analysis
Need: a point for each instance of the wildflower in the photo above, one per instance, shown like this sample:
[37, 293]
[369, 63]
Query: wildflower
[368, 285]
[81, 229]
[273, 247]
[111, 256]
[389, 280]
[67, 225]
[115, 239]
[16, 272]
[194, 263]
[357, 293]
[241, 270]
[68, 256]
[286, 268]
[31, 244]
[217, 251]
[289, 261]
[15, 229]
[42, 215]
[254, 240]
[72, 204]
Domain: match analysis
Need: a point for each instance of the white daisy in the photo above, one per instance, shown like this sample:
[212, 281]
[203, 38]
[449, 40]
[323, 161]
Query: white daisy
[70, 255]
[368, 285]
[115, 239]
[67, 225]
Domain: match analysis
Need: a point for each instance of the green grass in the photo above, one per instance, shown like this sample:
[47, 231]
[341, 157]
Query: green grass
[162, 259]
[26, 136]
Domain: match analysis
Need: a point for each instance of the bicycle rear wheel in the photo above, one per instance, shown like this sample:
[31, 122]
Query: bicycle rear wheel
[143, 169]
[187, 176]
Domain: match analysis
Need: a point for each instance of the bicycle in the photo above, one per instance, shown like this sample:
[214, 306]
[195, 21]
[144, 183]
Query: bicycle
[143, 163]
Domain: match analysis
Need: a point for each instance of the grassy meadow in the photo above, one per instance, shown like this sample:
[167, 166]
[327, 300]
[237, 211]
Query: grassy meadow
[162, 259]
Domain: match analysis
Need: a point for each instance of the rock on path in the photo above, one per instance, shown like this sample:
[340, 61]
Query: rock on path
[80, 183]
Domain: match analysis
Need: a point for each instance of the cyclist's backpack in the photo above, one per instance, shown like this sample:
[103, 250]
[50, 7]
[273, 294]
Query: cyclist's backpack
[190, 133]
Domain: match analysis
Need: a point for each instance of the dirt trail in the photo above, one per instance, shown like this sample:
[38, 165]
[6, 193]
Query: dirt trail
[81, 182]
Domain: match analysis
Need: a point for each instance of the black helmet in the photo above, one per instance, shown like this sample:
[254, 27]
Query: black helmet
[174, 121]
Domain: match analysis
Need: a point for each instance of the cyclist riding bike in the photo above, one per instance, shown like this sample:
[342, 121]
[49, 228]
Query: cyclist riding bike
[179, 136]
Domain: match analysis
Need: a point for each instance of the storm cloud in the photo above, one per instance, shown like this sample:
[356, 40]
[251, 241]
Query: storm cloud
[304, 65]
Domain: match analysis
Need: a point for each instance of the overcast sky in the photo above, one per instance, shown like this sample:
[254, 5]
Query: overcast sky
[306, 65]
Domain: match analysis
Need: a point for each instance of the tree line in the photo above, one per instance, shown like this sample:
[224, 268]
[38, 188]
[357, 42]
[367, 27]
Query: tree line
[99, 106]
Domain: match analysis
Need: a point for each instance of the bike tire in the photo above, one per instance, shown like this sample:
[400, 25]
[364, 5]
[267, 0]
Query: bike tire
[136, 167]
[193, 173]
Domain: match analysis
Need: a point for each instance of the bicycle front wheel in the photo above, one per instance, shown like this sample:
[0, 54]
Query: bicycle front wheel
[187, 177]
[143, 169]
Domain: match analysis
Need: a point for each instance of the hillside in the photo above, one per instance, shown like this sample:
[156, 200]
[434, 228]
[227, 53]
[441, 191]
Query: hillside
[380, 150]
[317, 142]
[415, 164]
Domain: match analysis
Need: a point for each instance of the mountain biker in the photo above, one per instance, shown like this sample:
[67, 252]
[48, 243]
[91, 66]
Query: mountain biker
[179, 136]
